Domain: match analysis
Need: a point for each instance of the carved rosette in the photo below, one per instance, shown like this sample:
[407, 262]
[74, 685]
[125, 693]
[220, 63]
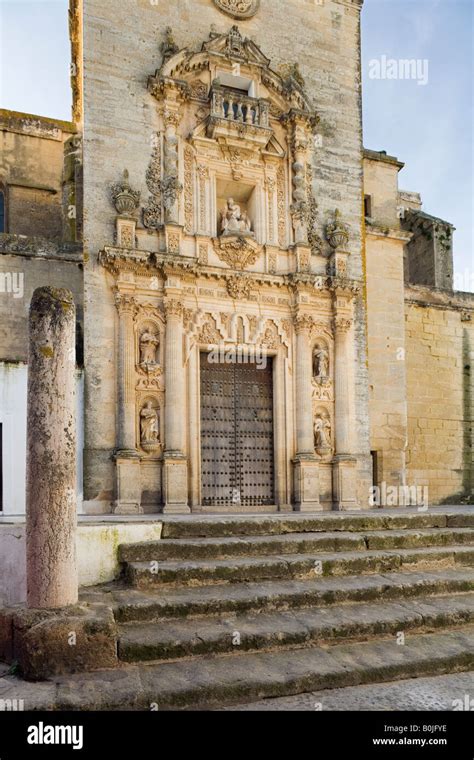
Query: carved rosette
[239, 287]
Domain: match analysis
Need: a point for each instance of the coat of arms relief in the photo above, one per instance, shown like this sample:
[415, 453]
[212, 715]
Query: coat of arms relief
[238, 8]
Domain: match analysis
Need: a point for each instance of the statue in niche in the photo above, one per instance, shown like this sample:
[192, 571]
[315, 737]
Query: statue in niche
[149, 425]
[235, 221]
[322, 433]
[320, 363]
[149, 343]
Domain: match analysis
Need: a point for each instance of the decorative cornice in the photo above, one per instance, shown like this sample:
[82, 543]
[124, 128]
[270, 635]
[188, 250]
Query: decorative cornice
[118, 260]
[344, 286]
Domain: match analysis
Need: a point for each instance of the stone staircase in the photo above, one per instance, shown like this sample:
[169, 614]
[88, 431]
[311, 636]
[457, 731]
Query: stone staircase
[229, 610]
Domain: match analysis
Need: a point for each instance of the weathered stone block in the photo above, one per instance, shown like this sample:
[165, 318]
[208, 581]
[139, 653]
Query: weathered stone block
[53, 642]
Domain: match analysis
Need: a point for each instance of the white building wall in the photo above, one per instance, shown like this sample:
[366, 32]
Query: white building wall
[13, 393]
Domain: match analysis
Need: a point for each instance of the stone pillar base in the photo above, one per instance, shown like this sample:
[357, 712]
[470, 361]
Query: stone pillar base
[129, 491]
[344, 482]
[306, 484]
[175, 485]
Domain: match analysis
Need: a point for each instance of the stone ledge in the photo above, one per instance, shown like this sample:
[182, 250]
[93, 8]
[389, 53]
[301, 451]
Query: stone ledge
[41, 641]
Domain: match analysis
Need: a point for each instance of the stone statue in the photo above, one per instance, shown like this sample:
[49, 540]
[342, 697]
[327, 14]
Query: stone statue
[149, 425]
[234, 221]
[149, 343]
[322, 433]
[320, 362]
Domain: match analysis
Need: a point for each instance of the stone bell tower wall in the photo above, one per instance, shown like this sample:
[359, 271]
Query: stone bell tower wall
[121, 49]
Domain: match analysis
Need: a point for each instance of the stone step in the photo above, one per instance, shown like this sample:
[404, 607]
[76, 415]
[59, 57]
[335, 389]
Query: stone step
[131, 605]
[229, 679]
[401, 519]
[172, 639]
[292, 543]
[152, 574]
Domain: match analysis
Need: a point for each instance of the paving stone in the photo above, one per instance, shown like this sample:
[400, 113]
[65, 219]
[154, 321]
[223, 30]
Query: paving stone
[421, 694]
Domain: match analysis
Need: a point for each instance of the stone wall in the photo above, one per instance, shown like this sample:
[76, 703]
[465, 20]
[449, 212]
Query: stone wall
[26, 271]
[440, 392]
[385, 243]
[31, 170]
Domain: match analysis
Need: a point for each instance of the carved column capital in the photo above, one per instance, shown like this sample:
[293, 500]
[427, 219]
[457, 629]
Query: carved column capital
[173, 308]
[303, 323]
[171, 118]
[126, 304]
[342, 324]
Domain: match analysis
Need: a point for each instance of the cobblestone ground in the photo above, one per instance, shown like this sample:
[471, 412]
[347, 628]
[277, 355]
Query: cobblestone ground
[437, 693]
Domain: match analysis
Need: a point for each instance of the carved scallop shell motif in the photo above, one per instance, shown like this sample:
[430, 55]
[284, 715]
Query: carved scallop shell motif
[238, 8]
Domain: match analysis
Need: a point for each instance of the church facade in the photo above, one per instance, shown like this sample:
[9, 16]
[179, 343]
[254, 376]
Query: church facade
[269, 322]
[232, 292]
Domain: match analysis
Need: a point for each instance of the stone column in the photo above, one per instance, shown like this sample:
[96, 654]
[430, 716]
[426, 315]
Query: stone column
[51, 518]
[128, 487]
[194, 427]
[304, 398]
[344, 465]
[175, 470]
[171, 186]
[306, 471]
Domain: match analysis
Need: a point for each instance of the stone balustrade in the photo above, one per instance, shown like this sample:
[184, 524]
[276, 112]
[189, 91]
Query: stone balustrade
[236, 107]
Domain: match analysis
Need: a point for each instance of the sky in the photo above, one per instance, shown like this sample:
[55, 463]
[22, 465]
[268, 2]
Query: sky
[428, 126]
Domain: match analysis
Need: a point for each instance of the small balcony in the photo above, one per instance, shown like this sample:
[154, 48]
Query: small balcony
[235, 114]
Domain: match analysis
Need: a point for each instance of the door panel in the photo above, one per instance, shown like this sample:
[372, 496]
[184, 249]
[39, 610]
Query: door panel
[237, 466]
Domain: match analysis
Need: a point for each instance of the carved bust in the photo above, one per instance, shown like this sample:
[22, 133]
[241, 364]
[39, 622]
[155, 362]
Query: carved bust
[234, 221]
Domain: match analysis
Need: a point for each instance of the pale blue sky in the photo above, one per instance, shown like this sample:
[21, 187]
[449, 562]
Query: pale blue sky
[428, 127]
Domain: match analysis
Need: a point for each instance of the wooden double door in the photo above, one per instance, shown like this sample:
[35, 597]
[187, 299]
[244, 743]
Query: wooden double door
[237, 443]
